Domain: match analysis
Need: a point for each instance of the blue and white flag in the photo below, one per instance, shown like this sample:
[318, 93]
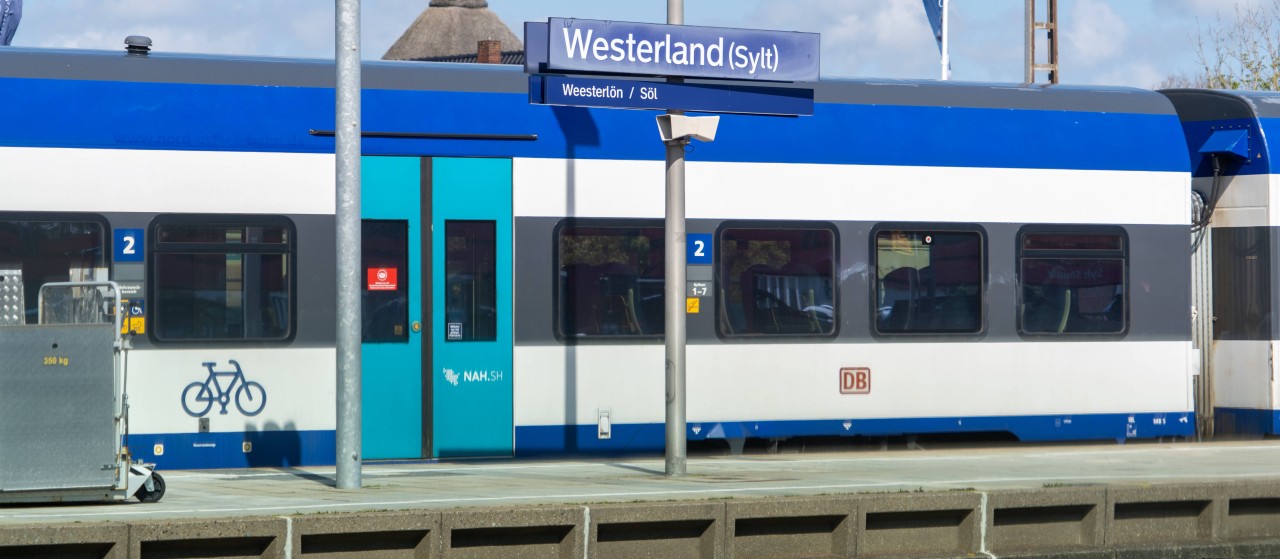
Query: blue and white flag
[933, 9]
[10, 15]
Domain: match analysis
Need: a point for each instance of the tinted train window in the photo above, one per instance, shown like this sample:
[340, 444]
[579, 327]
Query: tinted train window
[928, 281]
[610, 279]
[1072, 282]
[222, 278]
[470, 281]
[384, 301]
[777, 281]
[50, 249]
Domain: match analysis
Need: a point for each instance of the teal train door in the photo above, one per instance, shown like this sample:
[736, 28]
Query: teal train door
[471, 374]
[392, 307]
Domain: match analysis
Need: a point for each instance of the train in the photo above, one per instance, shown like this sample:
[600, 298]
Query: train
[1045, 262]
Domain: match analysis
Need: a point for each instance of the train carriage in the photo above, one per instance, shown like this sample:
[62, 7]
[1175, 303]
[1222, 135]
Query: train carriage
[916, 257]
[1227, 136]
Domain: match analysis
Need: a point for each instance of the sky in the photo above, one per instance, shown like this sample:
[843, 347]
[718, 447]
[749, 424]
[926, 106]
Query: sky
[1103, 42]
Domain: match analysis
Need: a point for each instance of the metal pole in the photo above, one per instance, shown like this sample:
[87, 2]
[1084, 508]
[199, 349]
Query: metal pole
[347, 151]
[674, 289]
[1053, 41]
[946, 50]
[1029, 38]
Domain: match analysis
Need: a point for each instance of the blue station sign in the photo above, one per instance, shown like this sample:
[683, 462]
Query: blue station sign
[611, 47]
[631, 94]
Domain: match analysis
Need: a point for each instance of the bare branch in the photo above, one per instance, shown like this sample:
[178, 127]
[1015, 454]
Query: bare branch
[1239, 54]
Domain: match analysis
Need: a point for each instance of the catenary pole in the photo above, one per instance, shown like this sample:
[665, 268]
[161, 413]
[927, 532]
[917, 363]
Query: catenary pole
[347, 151]
[1029, 40]
[674, 290]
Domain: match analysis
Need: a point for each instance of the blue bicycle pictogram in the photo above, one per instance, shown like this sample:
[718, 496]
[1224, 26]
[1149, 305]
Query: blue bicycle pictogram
[198, 397]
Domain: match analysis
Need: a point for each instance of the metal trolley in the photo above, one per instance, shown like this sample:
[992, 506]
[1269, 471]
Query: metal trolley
[63, 404]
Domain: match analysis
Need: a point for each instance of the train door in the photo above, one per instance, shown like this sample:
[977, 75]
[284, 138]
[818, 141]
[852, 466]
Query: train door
[392, 305]
[471, 376]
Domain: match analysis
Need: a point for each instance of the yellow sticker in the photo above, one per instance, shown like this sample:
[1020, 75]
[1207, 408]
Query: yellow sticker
[137, 325]
[691, 305]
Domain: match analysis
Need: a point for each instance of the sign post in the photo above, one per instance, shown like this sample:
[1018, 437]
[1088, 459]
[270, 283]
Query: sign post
[674, 51]
[347, 151]
[673, 290]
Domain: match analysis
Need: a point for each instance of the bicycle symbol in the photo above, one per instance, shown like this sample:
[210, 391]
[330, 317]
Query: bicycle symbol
[250, 396]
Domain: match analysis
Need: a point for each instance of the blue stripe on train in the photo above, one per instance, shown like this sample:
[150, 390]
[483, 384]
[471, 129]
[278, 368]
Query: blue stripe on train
[1244, 421]
[168, 116]
[1259, 162]
[317, 448]
[276, 449]
[649, 437]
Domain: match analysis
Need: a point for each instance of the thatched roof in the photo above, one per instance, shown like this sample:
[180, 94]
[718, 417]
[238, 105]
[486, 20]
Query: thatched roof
[451, 28]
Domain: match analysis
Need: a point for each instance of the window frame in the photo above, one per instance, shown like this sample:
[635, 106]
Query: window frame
[557, 304]
[984, 278]
[721, 282]
[1089, 229]
[444, 294]
[403, 279]
[108, 237]
[155, 247]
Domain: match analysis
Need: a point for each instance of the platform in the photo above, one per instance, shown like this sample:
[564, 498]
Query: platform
[1104, 500]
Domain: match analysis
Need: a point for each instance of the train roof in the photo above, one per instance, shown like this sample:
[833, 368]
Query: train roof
[236, 103]
[1233, 123]
[162, 67]
[1196, 105]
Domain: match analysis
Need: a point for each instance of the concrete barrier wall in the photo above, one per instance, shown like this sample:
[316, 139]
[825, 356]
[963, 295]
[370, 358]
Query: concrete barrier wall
[1183, 520]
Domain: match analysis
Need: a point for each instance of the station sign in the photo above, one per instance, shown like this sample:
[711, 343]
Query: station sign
[633, 94]
[565, 45]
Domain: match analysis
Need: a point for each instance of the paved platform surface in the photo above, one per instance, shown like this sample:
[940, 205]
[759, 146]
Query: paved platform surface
[265, 492]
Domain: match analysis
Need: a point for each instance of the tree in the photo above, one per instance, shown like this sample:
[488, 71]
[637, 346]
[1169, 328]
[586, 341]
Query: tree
[1240, 54]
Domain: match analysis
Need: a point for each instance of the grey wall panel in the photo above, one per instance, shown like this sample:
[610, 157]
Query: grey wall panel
[1159, 282]
[317, 281]
[534, 285]
[1002, 281]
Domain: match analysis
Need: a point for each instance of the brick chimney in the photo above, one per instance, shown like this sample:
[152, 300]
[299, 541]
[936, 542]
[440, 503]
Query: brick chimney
[489, 52]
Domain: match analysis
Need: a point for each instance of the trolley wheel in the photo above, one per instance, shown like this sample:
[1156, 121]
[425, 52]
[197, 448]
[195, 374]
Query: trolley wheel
[153, 495]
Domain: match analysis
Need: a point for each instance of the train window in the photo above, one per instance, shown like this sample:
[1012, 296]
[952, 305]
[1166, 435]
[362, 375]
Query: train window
[384, 301]
[1072, 282]
[222, 278]
[51, 248]
[928, 281]
[610, 278]
[470, 280]
[777, 281]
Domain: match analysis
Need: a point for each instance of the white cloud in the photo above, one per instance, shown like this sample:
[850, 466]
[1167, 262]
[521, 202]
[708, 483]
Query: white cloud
[862, 37]
[1095, 34]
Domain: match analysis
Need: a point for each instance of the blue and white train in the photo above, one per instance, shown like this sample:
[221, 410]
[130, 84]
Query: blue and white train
[915, 258]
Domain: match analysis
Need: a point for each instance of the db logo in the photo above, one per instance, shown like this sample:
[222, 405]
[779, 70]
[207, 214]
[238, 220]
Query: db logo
[855, 380]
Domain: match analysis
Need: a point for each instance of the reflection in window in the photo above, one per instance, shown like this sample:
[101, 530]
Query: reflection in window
[1072, 283]
[611, 280]
[224, 279]
[384, 301]
[928, 281]
[777, 281]
[50, 251]
[470, 281]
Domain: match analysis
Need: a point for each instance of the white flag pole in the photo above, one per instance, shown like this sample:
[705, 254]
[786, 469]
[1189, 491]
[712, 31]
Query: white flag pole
[946, 53]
